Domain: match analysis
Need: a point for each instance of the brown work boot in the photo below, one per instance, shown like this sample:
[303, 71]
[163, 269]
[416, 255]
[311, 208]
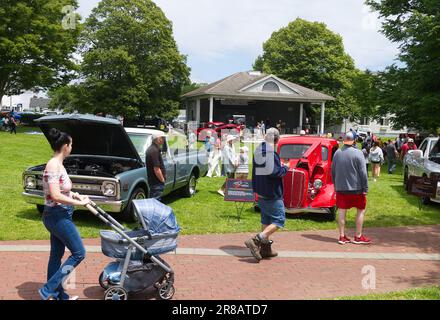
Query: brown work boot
[266, 250]
[254, 245]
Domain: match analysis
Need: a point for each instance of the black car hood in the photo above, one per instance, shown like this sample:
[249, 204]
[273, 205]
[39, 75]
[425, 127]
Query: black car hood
[92, 135]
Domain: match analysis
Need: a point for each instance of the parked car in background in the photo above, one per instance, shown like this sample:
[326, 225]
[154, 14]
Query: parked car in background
[308, 187]
[423, 162]
[108, 163]
[202, 132]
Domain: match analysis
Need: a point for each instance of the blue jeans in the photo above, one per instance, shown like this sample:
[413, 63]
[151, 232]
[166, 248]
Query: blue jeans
[391, 165]
[63, 233]
[272, 212]
[156, 191]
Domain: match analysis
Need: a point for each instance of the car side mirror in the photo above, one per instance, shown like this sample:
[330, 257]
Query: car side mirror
[416, 154]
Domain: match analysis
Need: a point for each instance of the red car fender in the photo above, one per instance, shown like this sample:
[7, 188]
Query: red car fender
[326, 197]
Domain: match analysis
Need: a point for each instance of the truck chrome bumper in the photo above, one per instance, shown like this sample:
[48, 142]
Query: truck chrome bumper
[307, 210]
[102, 202]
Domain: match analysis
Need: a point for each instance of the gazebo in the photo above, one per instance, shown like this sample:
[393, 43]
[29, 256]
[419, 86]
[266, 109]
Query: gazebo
[258, 97]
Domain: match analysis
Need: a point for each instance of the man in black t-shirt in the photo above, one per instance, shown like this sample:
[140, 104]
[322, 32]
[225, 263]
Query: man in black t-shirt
[156, 172]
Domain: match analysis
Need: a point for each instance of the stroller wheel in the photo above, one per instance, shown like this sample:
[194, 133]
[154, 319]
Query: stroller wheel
[167, 292]
[116, 293]
[102, 282]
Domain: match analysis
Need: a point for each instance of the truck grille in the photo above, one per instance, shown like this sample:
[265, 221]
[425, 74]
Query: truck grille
[82, 186]
[295, 188]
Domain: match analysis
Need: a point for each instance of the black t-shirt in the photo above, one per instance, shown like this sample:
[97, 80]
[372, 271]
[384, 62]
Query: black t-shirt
[153, 159]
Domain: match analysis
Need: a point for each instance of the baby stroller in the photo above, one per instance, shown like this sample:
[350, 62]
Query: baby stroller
[138, 265]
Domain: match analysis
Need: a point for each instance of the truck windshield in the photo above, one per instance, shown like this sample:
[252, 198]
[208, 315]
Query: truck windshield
[296, 151]
[435, 152]
[139, 141]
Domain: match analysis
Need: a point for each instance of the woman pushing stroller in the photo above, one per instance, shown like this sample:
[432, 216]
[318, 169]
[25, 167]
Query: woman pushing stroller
[57, 218]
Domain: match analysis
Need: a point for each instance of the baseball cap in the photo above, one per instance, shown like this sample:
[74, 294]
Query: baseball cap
[410, 140]
[159, 134]
[349, 138]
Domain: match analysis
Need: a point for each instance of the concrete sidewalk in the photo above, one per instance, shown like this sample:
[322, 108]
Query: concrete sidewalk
[311, 266]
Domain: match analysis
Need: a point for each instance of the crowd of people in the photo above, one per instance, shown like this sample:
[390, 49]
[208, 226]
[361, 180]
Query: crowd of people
[377, 152]
[223, 160]
[9, 123]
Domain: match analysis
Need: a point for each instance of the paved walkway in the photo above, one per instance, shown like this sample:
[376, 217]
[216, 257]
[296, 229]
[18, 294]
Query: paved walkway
[311, 266]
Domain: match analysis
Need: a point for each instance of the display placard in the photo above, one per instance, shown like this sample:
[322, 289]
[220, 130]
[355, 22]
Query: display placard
[422, 187]
[239, 191]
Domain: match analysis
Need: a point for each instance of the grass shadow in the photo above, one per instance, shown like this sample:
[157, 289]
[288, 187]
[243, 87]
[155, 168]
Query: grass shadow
[82, 218]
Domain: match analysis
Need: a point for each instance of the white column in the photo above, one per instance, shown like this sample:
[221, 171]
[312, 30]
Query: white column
[322, 117]
[198, 111]
[301, 115]
[211, 109]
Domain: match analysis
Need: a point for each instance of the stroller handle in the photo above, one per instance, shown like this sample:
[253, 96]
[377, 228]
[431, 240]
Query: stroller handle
[98, 212]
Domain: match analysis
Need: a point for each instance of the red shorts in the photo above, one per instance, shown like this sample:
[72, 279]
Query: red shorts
[348, 201]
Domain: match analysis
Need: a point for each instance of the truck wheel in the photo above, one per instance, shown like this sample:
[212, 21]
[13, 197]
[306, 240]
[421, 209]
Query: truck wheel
[40, 208]
[128, 214]
[190, 188]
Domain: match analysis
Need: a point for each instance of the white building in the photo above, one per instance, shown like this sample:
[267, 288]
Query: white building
[383, 127]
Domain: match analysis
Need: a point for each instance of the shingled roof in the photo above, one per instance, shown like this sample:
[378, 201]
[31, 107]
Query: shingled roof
[237, 85]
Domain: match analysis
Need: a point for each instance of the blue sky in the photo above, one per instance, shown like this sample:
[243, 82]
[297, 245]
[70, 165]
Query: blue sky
[221, 37]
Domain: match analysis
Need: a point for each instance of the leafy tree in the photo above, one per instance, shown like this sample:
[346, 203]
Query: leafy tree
[364, 90]
[411, 89]
[37, 42]
[311, 55]
[131, 64]
[191, 87]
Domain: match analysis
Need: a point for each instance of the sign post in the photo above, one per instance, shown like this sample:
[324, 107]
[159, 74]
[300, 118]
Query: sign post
[240, 192]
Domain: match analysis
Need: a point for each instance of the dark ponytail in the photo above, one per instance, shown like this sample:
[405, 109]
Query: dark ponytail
[58, 139]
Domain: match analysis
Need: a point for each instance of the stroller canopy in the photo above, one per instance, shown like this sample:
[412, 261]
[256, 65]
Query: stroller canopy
[157, 217]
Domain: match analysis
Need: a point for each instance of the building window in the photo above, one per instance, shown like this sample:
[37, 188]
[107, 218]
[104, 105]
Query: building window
[271, 86]
[384, 122]
[366, 121]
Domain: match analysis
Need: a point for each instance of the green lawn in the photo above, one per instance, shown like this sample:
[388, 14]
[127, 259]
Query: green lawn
[429, 293]
[388, 205]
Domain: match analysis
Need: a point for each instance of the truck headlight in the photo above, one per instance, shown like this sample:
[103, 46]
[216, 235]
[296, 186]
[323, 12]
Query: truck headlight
[30, 182]
[317, 184]
[109, 189]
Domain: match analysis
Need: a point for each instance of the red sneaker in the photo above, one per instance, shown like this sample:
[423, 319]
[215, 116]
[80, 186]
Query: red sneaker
[361, 240]
[344, 240]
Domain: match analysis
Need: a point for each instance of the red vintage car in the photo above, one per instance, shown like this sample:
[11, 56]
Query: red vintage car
[218, 128]
[308, 186]
[208, 126]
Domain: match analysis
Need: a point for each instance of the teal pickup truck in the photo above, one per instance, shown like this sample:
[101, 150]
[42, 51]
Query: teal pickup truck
[107, 163]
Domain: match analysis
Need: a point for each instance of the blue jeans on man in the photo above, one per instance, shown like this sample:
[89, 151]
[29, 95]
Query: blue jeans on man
[156, 191]
[63, 233]
[391, 165]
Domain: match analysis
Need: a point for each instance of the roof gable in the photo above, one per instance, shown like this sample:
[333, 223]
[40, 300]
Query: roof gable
[246, 85]
[259, 86]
